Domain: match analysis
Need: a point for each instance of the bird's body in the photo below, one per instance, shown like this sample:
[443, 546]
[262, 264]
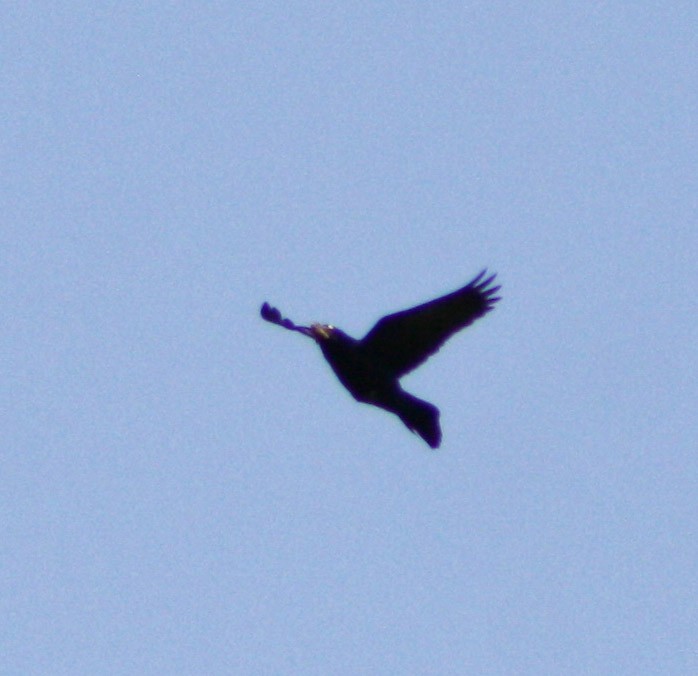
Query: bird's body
[370, 368]
[370, 382]
[356, 370]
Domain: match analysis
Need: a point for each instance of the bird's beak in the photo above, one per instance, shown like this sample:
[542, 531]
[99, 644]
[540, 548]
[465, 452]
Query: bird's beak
[320, 331]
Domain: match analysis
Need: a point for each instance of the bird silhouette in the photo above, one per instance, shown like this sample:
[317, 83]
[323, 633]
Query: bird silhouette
[371, 368]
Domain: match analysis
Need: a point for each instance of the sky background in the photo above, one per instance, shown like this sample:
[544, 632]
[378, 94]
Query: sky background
[186, 489]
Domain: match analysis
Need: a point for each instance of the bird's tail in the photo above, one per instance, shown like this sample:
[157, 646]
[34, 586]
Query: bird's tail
[421, 417]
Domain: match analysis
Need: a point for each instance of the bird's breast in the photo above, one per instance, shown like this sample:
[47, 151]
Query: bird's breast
[356, 371]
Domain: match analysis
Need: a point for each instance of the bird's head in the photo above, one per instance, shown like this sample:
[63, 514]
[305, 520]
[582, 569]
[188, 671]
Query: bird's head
[322, 332]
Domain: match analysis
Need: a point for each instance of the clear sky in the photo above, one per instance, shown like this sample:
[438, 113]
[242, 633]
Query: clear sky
[186, 489]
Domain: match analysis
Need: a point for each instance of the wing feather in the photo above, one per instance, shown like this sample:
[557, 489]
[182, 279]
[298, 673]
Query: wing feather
[404, 340]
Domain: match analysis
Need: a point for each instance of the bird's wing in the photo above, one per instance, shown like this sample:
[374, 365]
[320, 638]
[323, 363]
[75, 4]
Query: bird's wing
[403, 340]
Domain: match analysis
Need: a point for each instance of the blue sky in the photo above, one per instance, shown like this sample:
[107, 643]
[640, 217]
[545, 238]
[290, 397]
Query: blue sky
[188, 490]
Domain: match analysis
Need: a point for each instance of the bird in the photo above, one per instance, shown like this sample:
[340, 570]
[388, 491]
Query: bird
[371, 368]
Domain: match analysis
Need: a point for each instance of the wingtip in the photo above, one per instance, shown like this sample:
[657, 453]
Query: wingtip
[478, 277]
[481, 284]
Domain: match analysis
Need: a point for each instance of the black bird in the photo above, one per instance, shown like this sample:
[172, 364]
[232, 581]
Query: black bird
[370, 368]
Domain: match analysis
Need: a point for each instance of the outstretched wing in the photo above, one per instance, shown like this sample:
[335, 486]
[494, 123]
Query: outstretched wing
[402, 341]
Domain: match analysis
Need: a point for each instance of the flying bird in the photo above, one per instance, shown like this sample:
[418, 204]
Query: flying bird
[371, 368]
